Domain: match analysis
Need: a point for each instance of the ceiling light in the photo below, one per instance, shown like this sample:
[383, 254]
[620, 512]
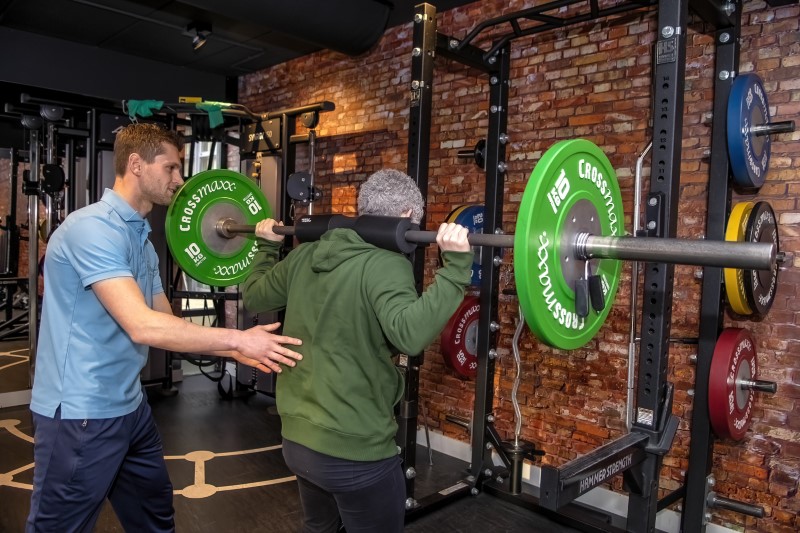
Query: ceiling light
[199, 32]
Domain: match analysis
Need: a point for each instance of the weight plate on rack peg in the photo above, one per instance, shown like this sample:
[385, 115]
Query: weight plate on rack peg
[734, 277]
[748, 152]
[730, 402]
[191, 226]
[573, 189]
[760, 286]
[471, 217]
[459, 341]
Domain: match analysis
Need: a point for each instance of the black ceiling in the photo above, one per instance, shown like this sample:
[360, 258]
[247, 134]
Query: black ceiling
[246, 35]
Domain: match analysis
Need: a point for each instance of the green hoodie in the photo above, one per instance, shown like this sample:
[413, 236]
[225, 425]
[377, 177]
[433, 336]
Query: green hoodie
[354, 306]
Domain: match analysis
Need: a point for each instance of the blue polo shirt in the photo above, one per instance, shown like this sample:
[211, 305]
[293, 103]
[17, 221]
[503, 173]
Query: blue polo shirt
[85, 361]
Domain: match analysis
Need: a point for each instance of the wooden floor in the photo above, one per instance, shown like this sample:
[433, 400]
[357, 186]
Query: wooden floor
[228, 472]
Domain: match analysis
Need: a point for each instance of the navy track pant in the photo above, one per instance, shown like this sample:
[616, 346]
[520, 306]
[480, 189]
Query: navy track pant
[80, 463]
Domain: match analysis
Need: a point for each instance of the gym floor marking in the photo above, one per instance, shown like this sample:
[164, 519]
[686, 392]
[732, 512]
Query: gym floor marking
[17, 358]
[199, 489]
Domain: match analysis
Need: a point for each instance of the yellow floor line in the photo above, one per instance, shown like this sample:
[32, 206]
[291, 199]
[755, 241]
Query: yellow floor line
[11, 426]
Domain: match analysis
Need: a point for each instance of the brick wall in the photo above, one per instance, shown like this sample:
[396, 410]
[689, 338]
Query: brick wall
[593, 81]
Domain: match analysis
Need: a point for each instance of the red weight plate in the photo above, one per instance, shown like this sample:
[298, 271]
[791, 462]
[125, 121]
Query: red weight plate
[460, 338]
[730, 405]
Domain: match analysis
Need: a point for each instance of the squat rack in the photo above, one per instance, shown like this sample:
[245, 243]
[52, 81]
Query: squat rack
[639, 454]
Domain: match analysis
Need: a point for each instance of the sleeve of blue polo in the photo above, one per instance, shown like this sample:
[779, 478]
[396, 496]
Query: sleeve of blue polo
[98, 250]
[157, 285]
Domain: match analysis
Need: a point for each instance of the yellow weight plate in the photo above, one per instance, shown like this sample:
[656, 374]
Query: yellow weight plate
[734, 277]
[455, 212]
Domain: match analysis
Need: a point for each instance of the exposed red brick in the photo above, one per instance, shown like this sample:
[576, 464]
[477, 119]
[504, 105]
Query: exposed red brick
[594, 81]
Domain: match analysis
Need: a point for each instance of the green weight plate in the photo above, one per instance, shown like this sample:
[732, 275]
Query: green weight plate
[734, 277]
[760, 286]
[192, 217]
[573, 189]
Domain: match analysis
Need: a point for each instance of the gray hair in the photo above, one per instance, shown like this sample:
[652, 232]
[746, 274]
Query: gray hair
[390, 193]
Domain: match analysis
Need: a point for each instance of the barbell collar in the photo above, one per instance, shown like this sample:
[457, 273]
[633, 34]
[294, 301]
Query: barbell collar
[227, 227]
[773, 128]
[746, 255]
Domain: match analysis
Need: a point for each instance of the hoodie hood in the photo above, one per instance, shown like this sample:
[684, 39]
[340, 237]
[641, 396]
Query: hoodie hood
[337, 246]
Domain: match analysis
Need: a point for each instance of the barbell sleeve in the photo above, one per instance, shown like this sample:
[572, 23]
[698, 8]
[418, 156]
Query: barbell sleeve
[227, 227]
[747, 255]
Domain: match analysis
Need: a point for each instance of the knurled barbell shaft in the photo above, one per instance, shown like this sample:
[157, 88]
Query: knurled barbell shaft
[755, 256]
[228, 228]
[475, 239]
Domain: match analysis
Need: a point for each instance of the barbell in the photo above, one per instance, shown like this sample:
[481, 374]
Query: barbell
[756, 256]
[567, 245]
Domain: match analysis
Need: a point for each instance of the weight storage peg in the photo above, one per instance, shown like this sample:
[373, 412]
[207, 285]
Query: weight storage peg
[715, 501]
[571, 212]
[478, 153]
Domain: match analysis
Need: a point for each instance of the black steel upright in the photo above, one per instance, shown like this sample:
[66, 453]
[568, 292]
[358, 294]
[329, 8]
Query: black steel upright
[419, 141]
[653, 389]
[701, 447]
[495, 158]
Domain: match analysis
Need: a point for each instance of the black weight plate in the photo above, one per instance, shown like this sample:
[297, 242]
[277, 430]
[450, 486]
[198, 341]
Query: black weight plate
[760, 286]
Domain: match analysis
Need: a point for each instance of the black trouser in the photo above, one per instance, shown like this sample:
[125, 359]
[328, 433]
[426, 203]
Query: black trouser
[368, 496]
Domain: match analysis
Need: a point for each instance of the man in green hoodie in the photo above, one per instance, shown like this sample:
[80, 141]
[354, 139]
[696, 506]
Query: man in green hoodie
[354, 306]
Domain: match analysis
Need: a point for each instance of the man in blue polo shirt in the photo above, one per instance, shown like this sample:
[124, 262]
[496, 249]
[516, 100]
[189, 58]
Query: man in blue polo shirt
[104, 304]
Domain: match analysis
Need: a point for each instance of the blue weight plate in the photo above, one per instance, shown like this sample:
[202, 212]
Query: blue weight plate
[471, 217]
[748, 152]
